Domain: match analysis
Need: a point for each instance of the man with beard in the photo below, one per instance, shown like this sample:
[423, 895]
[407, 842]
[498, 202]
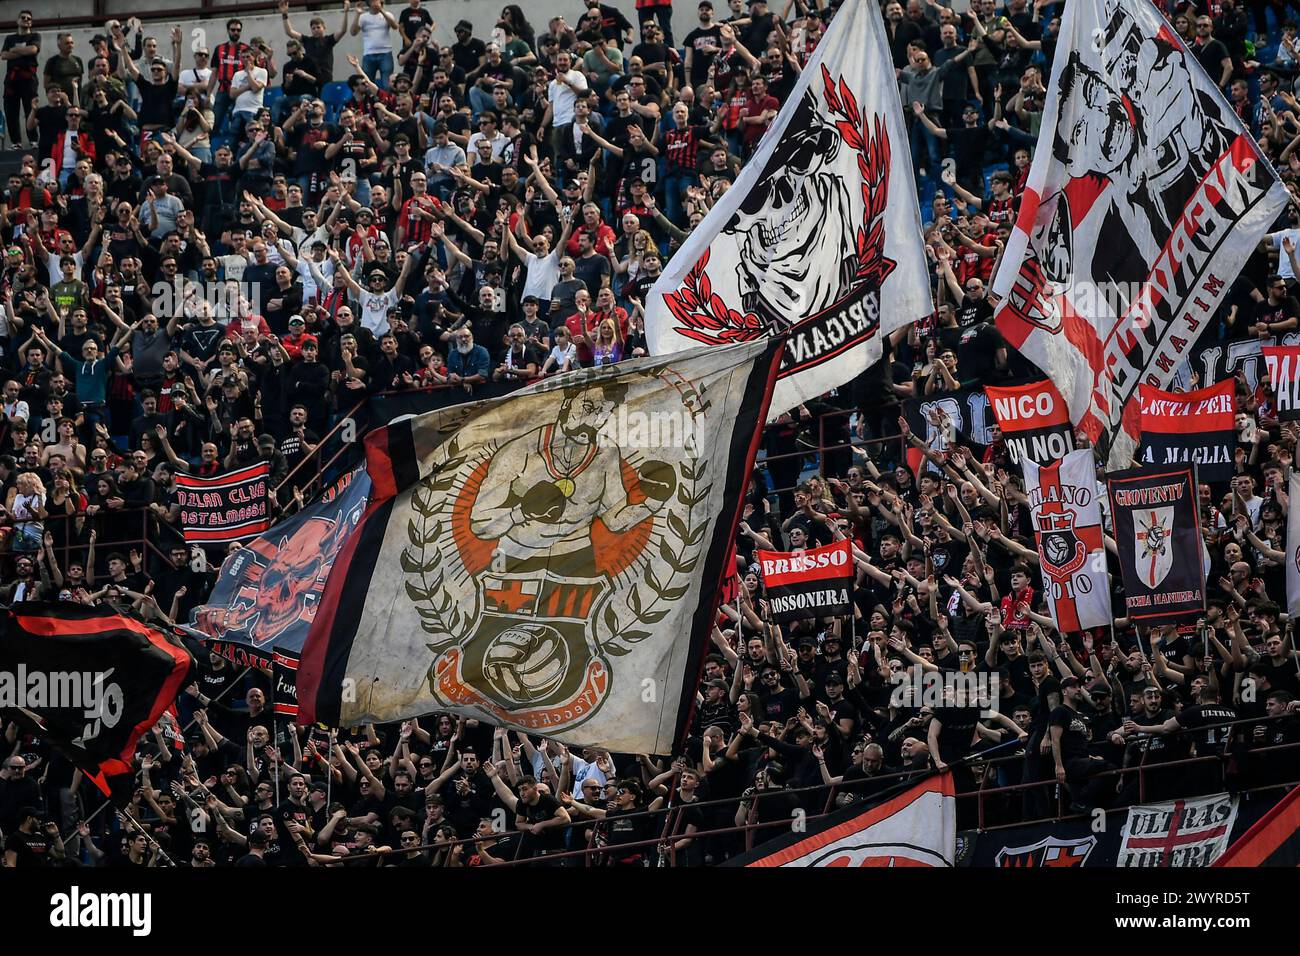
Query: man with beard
[466, 792]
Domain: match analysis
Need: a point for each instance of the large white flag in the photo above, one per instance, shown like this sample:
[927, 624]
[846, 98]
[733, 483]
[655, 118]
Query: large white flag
[547, 561]
[915, 828]
[1066, 514]
[1293, 547]
[1145, 197]
[820, 233]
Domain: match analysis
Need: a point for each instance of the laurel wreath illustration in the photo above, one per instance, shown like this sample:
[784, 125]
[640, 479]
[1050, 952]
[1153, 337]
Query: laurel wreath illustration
[703, 315]
[647, 598]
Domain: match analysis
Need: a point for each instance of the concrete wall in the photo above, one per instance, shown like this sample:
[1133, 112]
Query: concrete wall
[211, 30]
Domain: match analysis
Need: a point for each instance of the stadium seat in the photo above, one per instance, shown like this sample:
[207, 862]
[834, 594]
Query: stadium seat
[272, 94]
[334, 95]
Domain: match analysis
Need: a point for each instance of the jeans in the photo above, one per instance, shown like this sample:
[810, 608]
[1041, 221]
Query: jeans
[202, 153]
[18, 105]
[664, 14]
[675, 184]
[479, 100]
[378, 67]
[221, 105]
[237, 123]
[925, 141]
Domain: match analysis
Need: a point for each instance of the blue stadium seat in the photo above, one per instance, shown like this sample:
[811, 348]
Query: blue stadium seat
[334, 95]
[272, 94]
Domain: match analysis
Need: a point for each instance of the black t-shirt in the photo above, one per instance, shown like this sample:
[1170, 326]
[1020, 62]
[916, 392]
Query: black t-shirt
[1075, 735]
[23, 67]
[320, 50]
[550, 839]
[33, 849]
[956, 735]
[977, 353]
[698, 41]
[1204, 720]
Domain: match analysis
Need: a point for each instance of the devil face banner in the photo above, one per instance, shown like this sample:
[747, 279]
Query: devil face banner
[1157, 529]
[1034, 420]
[813, 583]
[1145, 197]
[820, 234]
[1190, 427]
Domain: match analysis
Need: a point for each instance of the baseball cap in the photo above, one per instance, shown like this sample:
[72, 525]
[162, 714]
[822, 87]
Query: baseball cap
[297, 320]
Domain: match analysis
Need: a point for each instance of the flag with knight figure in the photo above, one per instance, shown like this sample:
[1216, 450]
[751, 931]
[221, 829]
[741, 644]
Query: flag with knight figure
[1064, 508]
[548, 561]
[820, 234]
[1145, 197]
[1158, 533]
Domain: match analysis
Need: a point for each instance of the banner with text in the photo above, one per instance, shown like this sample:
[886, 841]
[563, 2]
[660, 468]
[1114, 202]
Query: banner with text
[1283, 364]
[815, 583]
[1157, 529]
[234, 506]
[1191, 427]
[1035, 421]
[1191, 832]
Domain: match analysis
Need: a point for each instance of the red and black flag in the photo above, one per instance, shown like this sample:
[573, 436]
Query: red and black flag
[90, 681]
[1273, 841]
[807, 584]
[1158, 531]
[233, 506]
[1190, 427]
[1035, 421]
[1283, 363]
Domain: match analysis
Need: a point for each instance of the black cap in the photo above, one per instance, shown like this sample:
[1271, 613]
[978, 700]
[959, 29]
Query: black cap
[833, 678]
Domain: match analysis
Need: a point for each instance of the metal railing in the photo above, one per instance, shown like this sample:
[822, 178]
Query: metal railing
[665, 842]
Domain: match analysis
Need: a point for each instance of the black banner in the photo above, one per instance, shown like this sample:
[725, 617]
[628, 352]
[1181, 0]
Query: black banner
[89, 681]
[811, 584]
[1184, 427]
[229, 507]
[1070, 844]
[267, 591]
[284, 684]
[1157, 529]
[965, 417]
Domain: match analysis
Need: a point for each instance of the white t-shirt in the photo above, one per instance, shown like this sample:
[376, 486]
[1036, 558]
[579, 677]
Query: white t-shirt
[1283, 260]
[374, 310]
[562, 98]
[561, 355]
[195, 77]
[481, 146]
[542, 275]
[248, 101]
[375, 34]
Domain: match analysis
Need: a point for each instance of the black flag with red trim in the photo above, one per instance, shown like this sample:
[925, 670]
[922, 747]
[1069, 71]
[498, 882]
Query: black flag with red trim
[90, 681]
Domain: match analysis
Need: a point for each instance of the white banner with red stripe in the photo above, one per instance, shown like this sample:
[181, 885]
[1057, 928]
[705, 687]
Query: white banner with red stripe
[1066, 515]
[1145, 197]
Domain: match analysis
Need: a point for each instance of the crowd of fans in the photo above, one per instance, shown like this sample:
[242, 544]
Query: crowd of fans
[211, 255]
